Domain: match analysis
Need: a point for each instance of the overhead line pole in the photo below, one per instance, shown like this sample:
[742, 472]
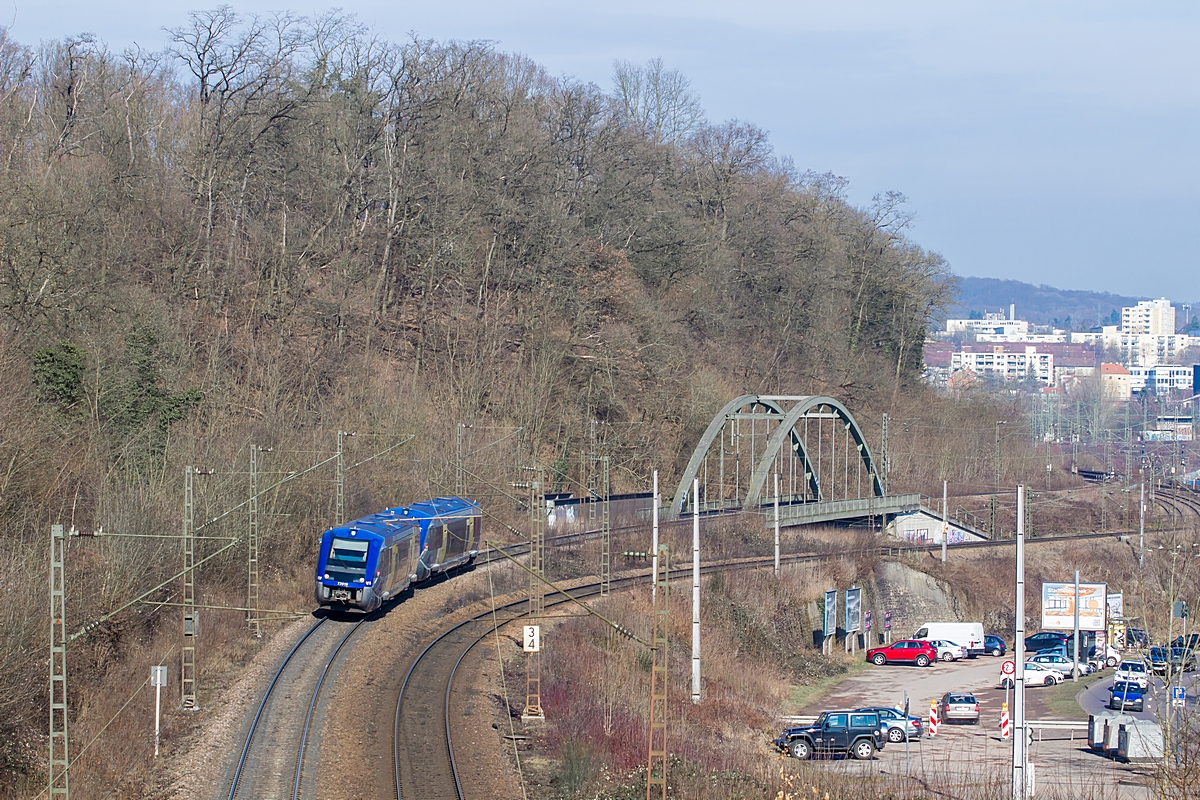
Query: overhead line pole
[654, 539]
[605, 530]
[1020, 757]
[187, 650]
[696, 590]
[59, 774]
[252, 620]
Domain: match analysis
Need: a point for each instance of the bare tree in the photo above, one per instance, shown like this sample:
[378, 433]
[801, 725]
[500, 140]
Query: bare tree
[657, 102]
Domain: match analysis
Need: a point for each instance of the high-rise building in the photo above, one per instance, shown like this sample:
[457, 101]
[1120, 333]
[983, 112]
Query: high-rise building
[1149, 317]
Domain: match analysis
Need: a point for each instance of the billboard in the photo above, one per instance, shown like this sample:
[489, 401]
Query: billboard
[853, 610]
[1116, 604]
[1058, 606]
[831, 612]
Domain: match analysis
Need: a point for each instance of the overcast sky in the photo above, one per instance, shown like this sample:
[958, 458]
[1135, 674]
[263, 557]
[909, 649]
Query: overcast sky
[1046, 142]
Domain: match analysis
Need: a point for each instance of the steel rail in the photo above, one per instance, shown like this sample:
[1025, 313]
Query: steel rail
[237, 776]
[313, 704]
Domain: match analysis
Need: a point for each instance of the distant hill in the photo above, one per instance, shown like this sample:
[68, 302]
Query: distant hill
[1045, 305]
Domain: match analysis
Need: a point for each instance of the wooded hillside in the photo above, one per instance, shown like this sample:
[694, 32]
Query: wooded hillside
[277, 228]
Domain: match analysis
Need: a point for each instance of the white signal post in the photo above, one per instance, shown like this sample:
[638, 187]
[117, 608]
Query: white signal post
[696, 590]
[158, 679]
[777, 525]
[1020, 784]
[654, 541]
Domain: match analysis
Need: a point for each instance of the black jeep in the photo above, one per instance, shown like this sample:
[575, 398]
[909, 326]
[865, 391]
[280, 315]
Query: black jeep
[856, 733]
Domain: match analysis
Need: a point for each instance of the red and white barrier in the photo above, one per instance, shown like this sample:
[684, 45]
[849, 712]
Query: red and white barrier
[933, 718]
[1005, 722]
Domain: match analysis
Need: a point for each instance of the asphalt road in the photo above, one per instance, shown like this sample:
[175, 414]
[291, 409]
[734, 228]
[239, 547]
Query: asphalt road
[1094, 699]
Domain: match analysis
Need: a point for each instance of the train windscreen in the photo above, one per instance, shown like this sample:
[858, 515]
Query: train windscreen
[347, 560]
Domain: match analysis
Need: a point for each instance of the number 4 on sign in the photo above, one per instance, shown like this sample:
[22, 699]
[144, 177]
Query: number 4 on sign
[533, 639]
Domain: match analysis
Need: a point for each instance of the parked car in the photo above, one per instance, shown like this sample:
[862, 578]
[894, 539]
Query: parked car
[958, 707]
[947, 650]
[1136, 638]
[1193, 641]
[856, 733]
[1110, 658]
[995, 645]
[1035, 675]
[904, 651]
[1158, 659]
[1133, 671]
[1062, 663]
[1183, 659]
[893, 719]
[1040, 641]
[1126, 696]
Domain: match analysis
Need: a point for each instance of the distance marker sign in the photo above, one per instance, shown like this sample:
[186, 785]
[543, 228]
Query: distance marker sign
[533, 639]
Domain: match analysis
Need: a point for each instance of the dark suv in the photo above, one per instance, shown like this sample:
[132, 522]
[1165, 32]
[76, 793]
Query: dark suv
[856, 733]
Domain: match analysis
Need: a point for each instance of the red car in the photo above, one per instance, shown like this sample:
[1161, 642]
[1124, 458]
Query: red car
[905, 651]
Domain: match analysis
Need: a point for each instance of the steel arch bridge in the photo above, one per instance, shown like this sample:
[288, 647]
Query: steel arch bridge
[826, 458]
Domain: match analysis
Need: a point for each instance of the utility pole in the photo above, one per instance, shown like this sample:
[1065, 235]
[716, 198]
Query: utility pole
[1075, 657]
[340, 480]
[1019, 759]
[537, 592]
[605, 531]
[654, 540]
[696, 590]
[776, 524]
[996, 479]
[187, 664]
[656, 762]
[458, 459]
[591, 472]
[887, 463]
[1142, 525]
[60, 763]
[945, 520]
[252, 620]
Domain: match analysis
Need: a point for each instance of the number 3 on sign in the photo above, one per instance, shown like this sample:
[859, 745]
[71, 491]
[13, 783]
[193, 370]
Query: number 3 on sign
[533, 639]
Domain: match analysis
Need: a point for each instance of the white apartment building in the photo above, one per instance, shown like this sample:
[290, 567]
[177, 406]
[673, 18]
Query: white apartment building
[1164, 379]
[1149, 317]
[1139, 349]
[1006, 366]
[990, 325]
[1016, 338]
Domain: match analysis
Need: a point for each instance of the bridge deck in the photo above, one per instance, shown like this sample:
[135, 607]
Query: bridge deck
[835, 510]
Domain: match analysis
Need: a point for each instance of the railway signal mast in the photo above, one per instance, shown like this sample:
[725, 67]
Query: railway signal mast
[537, 593]
[656, 764]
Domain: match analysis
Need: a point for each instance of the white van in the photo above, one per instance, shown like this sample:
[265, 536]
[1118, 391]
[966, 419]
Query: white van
[968, 634]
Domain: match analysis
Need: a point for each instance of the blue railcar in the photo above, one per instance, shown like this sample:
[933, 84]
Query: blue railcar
[368, 561]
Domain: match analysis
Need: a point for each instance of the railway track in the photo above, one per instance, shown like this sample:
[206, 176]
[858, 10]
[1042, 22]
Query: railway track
[280, 740]
[423, 753]
[272, 764]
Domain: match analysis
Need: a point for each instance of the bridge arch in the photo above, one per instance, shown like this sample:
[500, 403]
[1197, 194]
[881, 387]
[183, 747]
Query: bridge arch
[815, 467]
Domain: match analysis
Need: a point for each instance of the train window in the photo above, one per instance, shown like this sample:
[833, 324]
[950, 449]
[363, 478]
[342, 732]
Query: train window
[347, 560]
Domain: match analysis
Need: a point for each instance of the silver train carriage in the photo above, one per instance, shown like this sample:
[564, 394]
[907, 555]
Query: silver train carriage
[368, 561]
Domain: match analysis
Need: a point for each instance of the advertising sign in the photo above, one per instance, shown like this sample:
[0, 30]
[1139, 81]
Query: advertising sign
[831, 612]
[887, 620]
[867, 620]
[853, 610]
[1116, 604]
[1058, 606]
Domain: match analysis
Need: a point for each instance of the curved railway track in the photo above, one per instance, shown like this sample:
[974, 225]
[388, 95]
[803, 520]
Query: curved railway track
[423, 759]
[278, 742]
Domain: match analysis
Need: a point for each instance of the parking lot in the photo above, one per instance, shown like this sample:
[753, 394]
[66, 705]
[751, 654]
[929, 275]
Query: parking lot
[973, 755]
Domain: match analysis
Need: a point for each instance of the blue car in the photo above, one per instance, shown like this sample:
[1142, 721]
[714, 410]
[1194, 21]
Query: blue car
[994, 645]
[1126, 696]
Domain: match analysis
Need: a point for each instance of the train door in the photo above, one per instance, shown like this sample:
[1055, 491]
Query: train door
[414, 552]
[384, 570]
[456, 537]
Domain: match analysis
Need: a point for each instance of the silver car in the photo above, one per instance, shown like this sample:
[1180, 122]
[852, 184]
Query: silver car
[948, 650]
[959, 707]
